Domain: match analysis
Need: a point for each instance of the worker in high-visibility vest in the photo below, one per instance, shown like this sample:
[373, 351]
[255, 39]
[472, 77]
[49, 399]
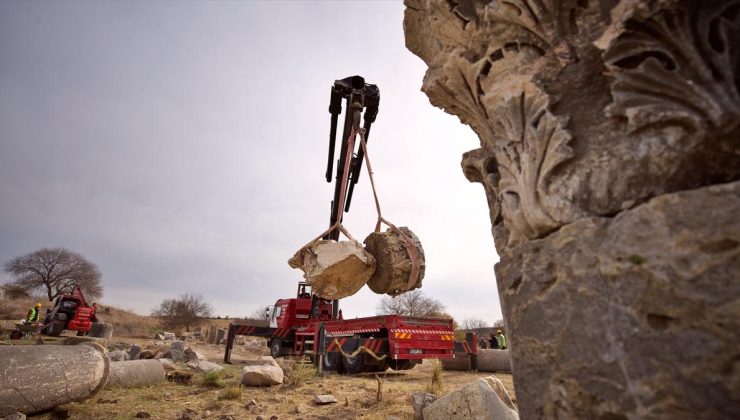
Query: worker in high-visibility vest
[33, 314]
[501, 339]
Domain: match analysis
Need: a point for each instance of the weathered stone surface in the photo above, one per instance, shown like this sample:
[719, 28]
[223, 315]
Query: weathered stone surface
[649, 320]
[578, 112]
[118, 356]
[476, 400]
[193, 355]
[335, 270]
[586, 111]
[134, 352]
[205, 366]
[324, 399]
[168, 364]
[393, 263]
[262, 372]
[178, 345]
[177, 355]
[419, 400]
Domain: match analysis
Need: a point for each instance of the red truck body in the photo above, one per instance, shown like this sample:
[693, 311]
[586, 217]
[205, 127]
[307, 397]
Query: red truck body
[353, 345]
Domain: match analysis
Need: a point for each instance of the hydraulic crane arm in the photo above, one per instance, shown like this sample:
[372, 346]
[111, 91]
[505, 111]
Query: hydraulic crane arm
[358, 96]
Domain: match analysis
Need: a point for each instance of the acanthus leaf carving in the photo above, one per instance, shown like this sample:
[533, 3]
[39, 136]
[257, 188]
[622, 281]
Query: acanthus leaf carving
[677, 67]
[530, 143]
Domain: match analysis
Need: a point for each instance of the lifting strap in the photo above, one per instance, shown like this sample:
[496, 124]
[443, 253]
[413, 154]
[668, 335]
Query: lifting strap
[409, 243]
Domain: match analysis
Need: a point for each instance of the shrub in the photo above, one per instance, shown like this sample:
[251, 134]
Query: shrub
[213, 379]
[436, 387]
[231, 393]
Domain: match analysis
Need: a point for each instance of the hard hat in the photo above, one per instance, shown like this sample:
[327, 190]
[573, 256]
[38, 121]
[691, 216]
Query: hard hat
[38, 305]
[498, 331]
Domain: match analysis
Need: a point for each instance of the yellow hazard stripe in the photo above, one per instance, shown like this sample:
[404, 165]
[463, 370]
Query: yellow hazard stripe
[399, 335]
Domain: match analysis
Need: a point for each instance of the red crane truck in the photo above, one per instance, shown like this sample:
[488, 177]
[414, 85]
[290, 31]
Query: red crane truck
[308, 325]
[370, 344]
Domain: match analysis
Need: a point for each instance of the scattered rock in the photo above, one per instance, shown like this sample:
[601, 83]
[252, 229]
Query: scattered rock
[134, 352]
[324, 399]
[262, 372]
[177, 355]
[475, 400]
[15, 416]
[147, 354]
[419, 400]
[193, 355]
[168, 336]
[118, 356]
[188, 414]
[335, 270]
[178, 345]
[142, 415]
[250, 403]
[204, 366]
[226, 417]
[169, 365]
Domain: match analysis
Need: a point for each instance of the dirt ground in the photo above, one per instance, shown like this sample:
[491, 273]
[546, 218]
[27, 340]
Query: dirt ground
[223, 398]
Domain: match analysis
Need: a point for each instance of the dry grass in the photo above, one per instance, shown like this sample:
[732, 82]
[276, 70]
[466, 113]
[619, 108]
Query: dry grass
[213, 379]
[436, 387]
[231, 393]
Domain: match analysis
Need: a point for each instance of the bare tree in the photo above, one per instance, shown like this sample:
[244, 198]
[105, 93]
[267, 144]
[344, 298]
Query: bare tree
[54, 270]
[474, 324]
[186, 311]
[499, 323]
[413, 303]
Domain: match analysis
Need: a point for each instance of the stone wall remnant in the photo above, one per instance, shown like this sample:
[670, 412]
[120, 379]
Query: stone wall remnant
[610, 158]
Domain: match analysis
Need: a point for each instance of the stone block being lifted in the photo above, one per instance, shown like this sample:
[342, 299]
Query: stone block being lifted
[393, 263]
[335, 270]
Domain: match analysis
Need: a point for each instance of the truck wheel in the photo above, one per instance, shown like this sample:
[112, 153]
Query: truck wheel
[54, 328]
[276, 348]
[353, 364]
[400, 364]
[332, 361]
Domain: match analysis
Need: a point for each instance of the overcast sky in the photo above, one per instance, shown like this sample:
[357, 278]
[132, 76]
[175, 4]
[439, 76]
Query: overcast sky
[182, 147]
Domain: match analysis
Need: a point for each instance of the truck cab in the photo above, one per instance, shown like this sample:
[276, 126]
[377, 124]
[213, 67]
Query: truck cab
[296, 312]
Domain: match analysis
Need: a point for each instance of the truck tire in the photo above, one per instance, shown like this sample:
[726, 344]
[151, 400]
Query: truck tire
[54, 328]
[353, 364]
[332, 361]
[276, 348]
[400, 364]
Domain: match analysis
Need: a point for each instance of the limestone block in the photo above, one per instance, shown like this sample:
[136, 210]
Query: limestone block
[263, 371]
[419, 400]
[393, 263]
[169, 364]
[193, 355]
[205, 366]
[136, 373]
[635, 314]
[335, 270]
[134, 352]
[475, 400]
[118, 356]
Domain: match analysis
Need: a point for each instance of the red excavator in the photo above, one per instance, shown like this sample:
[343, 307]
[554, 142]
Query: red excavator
[69, 311]
[309, 325]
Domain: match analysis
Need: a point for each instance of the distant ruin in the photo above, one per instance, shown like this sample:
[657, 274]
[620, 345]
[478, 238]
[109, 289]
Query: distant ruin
[610, 159]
